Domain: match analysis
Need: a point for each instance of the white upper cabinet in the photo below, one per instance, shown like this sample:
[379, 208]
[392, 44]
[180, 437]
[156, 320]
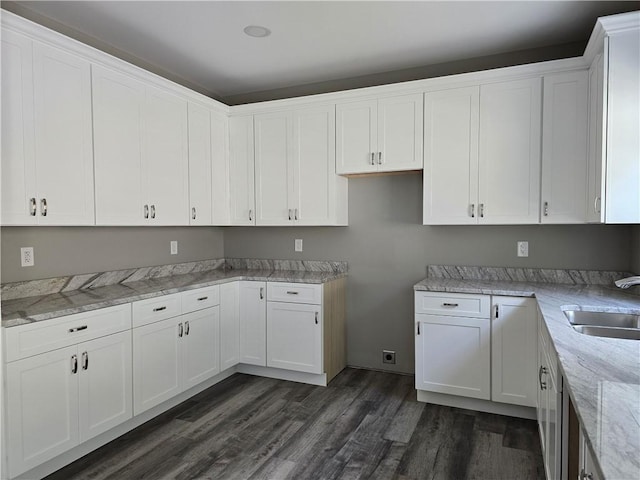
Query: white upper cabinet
[509, 152]
[614, 123]
[200, 180]
[383, 135]
[564, 148]
[220, 169]
[141, 153]
[451, 156]
[296, 183]
[47, 157]
[241, 171]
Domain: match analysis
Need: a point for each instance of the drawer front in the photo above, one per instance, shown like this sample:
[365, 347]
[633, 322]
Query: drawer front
[156, 309]
[453, 304]
[28, 340]
[201, 298]
[294, 292]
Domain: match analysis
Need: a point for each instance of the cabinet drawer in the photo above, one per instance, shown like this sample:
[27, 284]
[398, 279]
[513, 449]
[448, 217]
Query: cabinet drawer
[294, 292]
[201, 298]
[155, 309]
[27, 340]
[454, 304]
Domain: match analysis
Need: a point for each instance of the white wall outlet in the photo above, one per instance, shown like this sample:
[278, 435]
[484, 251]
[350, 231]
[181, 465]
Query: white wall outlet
[523, 249]
[298, 245]
[26, 257]
[174, 247]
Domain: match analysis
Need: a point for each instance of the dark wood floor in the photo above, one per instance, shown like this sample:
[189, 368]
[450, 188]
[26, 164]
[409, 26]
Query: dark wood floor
[364, 425]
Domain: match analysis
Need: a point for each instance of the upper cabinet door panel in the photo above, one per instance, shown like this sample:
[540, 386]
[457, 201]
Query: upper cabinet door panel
[564, 148]
[314, 175]
[18, 157]
[64, 148]
[118, 103]
[273, 132]
[509, 145]
[595, 189]
[356, 132]
[199, 166]
[241, 171]
[220, 169]
[165, 158]
[451, 156]
[400, 133]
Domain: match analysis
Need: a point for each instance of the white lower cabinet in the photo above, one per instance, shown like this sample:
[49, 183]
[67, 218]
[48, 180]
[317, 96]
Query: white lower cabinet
[253, 325]
[200, 352]
[58, 399]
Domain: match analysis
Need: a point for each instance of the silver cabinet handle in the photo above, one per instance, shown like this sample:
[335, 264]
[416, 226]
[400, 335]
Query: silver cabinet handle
[77, 329]
[159, 309]
[202, 298]
[43, 207]
[373, 158]
[180, 330]
[450, 305]
[186, 327]
[153, 211]
[379, 158]
[251, 215]
[497, 311]
[473, 210]
[295, 214]
[418, 325]
[193, 213]
[546, 209]
[289, 214]
[597, 205]
[292, 292]
[32, 207]
[316, 318]
[74, 364]
[481, 210]
[261, 293]
[85, 360]
[542, 371]
[584, 475]
[146, 211]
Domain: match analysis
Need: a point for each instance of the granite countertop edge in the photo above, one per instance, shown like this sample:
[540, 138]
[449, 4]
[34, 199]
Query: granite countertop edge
[28, 310]
[591, 366]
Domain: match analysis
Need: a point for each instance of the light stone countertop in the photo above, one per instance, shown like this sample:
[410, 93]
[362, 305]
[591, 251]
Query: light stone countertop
[601, 375]
[21, 311]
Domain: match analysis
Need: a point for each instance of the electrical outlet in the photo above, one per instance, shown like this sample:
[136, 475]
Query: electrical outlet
[26, 257]
[388, 356]
[298, 245]
[523, 249]
[174, 247]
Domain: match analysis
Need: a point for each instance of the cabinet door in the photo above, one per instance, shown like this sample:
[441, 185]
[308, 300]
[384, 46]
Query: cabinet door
[564, 148]
[595, 190]
[220, 169]
[509, 143]
[274, 175]
[453, 355]
[106, 397]
[117, 127]
[451, 156]
[200, 203]
[42, 408]
[356, 132]
[64, 140]
[514, 351]
[552, 455]
[18, 144]
[294, 337]
[165, 158]
[200, 351]
[229, 325]
[542, 396]
[316, 188]
[400, 133]
[253, 323]
[156, 363]
[241, 171]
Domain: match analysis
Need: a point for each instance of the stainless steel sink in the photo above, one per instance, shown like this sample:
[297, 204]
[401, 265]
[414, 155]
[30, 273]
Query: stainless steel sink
[605, 324]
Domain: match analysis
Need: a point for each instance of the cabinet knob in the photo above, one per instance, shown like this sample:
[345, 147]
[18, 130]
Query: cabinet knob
[186, 328]
[379, 158]
[43, 207]
[295, 214]
[251, 215]
[261, 293]
[546, 209]
[596, 204]
[74, 364]
[193, 213]
[585, 476]
[32, 207]
[289, 214]
[85, 360]
[373, 158]
[153, 211]
[481, 210]
[146, 211]
[542, 371]
[418, 325]
[316, 318]
[180, 330]
[473, 210]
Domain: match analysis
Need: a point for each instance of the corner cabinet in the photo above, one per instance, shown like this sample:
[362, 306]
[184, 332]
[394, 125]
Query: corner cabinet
[47, 142]
[379, 135]
[482, 154]
[140, 152]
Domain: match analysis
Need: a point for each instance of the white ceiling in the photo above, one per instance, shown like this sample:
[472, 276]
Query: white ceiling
[202, 42]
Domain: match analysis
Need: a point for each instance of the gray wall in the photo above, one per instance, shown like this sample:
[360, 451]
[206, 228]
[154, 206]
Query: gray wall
[68, 250]
[388, 248]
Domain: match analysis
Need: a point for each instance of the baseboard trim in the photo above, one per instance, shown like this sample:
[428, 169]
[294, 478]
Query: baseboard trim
[279, 374]
[477, 404]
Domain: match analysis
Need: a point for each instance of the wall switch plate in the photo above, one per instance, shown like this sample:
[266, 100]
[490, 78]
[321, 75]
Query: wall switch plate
[298, 245]
[174, 247]
[388, 356]
[523, 249]
[26, 257]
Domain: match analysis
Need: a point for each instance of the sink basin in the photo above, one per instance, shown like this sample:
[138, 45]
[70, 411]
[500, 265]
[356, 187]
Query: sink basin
[605, 324]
